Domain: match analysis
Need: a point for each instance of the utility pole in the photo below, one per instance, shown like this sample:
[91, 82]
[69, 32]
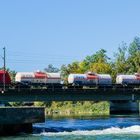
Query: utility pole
[4, 68]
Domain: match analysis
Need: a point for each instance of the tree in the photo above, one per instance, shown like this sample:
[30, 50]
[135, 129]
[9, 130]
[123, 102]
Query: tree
[64, 73]
[12, 75]
[101, 68]
[134, 55]
[134, 46]
[100, 56]
[70, 68]
[74, 67]
[51, 68]
[121, 64]
[83, 66]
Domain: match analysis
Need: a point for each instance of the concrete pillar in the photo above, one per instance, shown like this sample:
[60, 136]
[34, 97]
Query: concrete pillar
[19, 119]
[13, 129]
[124, 107]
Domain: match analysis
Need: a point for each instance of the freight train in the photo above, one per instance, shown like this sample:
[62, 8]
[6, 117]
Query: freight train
[28, 79]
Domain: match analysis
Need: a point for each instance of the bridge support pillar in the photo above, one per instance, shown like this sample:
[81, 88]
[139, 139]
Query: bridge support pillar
[124, 107]
[14, 120]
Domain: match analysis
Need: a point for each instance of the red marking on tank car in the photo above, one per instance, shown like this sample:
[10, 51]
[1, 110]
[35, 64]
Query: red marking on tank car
[40, 75]
[137, 77]
[92, 77]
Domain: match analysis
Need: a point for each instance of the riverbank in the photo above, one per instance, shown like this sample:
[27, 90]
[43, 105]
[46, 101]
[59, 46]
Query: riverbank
[78, 108]
[69, 108]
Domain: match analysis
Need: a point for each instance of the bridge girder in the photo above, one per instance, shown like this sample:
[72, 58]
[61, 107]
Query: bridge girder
[24, 95]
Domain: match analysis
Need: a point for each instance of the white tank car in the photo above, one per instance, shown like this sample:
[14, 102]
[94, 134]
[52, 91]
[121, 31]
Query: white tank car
[38, 77]
[53, 78]
[128, 79]
[104, 79]
[89, 78]
[77, 79]
[24, 77]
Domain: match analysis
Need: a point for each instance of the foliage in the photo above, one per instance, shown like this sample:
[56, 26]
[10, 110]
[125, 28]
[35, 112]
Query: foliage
[75, 108]
[127, 59]
[12, 75]
[120, 63]
[51, 68]
[16, 103]
[100, 56]
[100, 67]
[134, 55]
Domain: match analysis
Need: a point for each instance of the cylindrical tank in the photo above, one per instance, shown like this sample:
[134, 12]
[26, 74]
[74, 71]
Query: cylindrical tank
[90, 78]
[128, 79]
[7, 77]
[104, 79]
[24, 77]
[38, 77]
[77, 78]
[54, 78]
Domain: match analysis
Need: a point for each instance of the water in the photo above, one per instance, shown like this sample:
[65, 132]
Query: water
[85, 128]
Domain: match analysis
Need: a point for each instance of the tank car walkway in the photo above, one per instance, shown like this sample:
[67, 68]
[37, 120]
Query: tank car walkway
[15, 95]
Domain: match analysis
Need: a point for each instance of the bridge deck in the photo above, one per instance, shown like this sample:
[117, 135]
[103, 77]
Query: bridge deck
[15, 95]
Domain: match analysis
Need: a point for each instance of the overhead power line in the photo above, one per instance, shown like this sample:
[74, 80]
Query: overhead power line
[32, 54]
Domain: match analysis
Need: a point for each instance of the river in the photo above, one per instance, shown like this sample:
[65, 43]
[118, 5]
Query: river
[85, 128]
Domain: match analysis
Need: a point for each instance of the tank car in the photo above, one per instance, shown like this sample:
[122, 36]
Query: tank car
[128, 79]
[82, 79]
[38, 78]
[7, 77]
[104, 79]
[90, 79]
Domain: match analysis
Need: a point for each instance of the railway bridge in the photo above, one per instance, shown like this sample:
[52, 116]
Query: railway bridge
[13, 120]
[122, 100]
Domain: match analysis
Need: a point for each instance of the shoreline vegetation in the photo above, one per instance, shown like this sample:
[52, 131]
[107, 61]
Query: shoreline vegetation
[70, 108]
[76, 109]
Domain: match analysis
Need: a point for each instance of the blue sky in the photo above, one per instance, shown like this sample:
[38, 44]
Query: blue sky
[39, 32]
